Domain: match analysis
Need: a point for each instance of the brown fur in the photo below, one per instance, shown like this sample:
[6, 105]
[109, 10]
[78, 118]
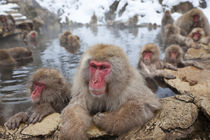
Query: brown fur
[10, 23]
[178, 62]
[37, 24]
[166, 19]
[203, 38]
[185, 22]
[127, 102]
[21, 54]
[6, 60]
[153, 70]
[70, 42]
[53, 98]
[172, 35]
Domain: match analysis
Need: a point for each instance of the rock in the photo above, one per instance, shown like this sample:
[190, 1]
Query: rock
[202, 53]
[48, 125]
[175, 120]
[190, 80]
[193, 82]
[94, 132]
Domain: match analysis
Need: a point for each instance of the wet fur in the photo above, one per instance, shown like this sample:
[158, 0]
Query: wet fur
[54, 97]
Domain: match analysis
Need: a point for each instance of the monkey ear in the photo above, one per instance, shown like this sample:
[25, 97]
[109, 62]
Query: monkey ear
[77, 37]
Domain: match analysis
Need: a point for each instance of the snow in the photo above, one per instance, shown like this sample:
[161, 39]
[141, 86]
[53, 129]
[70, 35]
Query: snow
[7, 7]
[81, 11]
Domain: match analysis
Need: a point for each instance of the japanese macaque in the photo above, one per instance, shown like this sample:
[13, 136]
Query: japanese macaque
[21, 54]
[6, 60]
[50, 93]
[172, 36]
[109, 92]
[70, 42]
[167, 19]
[37, 24]
[192, 19]
[133, 21]
[174, 55]
[94, 19]
[10, 23]
[3, 23]
[151, 66]
[30, 38]
[198, 35]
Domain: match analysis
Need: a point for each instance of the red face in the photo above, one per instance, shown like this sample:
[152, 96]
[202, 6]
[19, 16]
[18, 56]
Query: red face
[37, 90]
[147, 55]
[2, 19]
[33, 35]
[167, 13]
[196, 36]
[173, 55]
[98, 72]
[196, 18]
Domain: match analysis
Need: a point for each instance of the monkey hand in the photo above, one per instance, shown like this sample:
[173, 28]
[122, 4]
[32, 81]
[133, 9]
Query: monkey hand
[40, 112]
[104, 121]
[15, 120]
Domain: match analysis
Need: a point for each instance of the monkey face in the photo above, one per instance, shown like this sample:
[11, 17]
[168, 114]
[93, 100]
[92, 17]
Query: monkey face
[196, 36]
[37, 89]
[173, 55]
[98, 70]
[167, 13]
[196, 18]
[147, 56]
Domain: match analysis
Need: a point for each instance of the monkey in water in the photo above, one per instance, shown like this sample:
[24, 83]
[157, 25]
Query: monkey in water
[109, 92]
[50, 92]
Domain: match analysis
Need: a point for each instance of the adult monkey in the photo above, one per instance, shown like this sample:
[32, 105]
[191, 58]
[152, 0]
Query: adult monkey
[107, 87]
[192, 19]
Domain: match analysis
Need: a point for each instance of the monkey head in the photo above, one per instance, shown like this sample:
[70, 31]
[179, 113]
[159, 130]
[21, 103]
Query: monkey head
[150, 53]
[45, 84]
[174, 52]
[196, 17]
[197, 33]
[100, 67]
[67, 33]
[167, 13]
[3, 19]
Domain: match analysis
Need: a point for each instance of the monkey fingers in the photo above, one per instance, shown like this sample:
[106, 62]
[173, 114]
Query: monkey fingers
[168, 76]
[15, 120]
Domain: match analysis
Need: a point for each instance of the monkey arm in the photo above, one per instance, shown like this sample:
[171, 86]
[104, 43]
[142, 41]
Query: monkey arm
[164, 74]
[191, 63]
[40, 111]
[133, 113]
[76, 120]
[169, 66]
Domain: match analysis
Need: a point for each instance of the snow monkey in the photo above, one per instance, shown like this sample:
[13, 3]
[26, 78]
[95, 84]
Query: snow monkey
[172, 35]
[152, 68]
[50, 93]
[174, 55]
[6, 60]
[167, 19]
[192, 19]
[70, 42]
[30, 38]
[198, 35]
[108, 92]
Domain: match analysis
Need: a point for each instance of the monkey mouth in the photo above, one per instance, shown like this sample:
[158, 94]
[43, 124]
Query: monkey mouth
[97, 92]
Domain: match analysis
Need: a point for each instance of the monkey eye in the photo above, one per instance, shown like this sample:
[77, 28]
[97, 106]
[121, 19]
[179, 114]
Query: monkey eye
[93, 66]
[102, 67]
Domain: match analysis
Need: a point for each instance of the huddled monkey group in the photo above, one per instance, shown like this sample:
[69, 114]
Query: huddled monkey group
[106, 90]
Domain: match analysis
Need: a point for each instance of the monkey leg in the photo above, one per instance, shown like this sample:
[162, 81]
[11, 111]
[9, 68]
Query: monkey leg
[76, 120]
[131, 114]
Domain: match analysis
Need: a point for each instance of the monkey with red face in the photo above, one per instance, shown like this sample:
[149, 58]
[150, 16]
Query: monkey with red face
[167, 19]
[109, 92]
[30, 38]
[175, 56]
[198, 35]
[50, 93]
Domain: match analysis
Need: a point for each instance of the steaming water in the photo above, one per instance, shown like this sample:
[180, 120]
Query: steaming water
[13, 91]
